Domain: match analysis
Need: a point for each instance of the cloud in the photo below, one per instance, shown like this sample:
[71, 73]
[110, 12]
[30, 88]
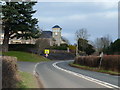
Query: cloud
[66, 34]
[107, 4]
[78, 17]
[46, 19]
[100, 18]
[69, 36]
[49, 19]
[77, 0]
[106, 15]
[111, 15]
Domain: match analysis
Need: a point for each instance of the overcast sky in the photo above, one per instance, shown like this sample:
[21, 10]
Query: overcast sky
[99, 18]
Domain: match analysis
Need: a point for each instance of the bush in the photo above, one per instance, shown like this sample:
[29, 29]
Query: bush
[109, 62]
[9, 72]
[72, 48]
[21, 47]
[92, 61]
[61, 47]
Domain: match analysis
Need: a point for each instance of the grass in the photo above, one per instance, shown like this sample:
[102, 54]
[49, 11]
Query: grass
[24, 56]
[0, 52]
[27, 80]
[94, 69]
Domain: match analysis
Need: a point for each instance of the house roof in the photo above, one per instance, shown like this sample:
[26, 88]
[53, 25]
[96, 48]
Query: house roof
[46, 34]
[56, 26]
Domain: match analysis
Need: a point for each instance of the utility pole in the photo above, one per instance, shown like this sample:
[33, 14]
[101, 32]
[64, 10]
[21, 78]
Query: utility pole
[77, 48]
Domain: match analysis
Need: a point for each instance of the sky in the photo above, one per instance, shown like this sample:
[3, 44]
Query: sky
[99, 18]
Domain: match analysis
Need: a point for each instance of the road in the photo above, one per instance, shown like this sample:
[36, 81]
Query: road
[26, 66]
[60, 75]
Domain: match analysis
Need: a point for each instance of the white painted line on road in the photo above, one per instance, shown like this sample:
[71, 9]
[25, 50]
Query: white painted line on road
[34, 72]
[108, 85]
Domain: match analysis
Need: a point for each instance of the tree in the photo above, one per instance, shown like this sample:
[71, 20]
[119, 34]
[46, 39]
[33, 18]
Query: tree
[102, 43]
[85, 47]
[114, 48]
[82, 33]
[89, 49]
[81, 38]
[116, 45]
[41, 44]
[82, 44]
[18, 21]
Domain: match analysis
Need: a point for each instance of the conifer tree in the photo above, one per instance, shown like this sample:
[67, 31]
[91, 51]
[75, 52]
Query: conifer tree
[18, 22]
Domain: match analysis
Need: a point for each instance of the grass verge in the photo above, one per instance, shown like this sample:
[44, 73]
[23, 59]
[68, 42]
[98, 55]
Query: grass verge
[27, 80]
[24, 56]
[93, 69]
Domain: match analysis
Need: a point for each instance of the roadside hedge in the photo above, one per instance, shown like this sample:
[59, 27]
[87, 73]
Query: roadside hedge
[21, 47]
[9, 72]
[109, 62]
[91, 61]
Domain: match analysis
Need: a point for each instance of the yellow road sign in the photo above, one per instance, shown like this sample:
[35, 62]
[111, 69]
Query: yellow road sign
[47, 51]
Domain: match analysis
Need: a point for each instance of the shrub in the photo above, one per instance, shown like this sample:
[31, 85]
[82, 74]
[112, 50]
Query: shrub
[92, 61]
[21, 47]
[9, 72]
[64, 45]
[109, 62]
[61, 47]
[72, 48]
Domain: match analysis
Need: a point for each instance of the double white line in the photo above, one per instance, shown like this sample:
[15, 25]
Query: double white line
[108, 85]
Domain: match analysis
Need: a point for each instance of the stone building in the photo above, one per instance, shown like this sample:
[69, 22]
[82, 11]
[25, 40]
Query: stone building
[54, 37]
[15, 40]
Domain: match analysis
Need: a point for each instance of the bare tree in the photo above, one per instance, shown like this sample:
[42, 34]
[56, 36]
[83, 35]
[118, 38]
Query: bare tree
[41, 44]
[103, 42]
[82, 33]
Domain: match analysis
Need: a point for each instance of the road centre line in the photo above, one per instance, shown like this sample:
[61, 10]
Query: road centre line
[108, 85]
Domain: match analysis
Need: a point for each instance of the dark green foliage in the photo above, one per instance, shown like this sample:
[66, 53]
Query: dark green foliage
[64, 45]
[84, 46]
[21, 47]
[18, 21]
[114, 48]
[61, 47]
[18, 17]
[89, 50]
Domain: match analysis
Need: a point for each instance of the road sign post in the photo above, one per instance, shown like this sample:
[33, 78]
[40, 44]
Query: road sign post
[101, 58]
[47, 51]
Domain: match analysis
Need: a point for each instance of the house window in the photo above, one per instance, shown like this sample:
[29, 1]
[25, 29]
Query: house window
[56, 33]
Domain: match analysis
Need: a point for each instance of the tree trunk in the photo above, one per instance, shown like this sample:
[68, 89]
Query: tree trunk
[5, 41]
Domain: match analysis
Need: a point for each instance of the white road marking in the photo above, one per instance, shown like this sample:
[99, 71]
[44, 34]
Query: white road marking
[108, 85]
[34, 72]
